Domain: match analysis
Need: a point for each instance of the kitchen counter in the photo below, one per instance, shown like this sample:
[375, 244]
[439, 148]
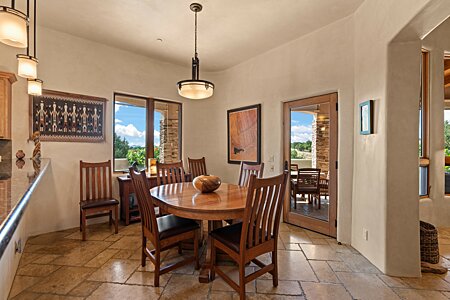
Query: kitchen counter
[17, 182]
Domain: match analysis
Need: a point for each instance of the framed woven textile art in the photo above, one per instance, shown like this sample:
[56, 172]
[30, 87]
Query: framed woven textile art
[244, 134]
[64, 117]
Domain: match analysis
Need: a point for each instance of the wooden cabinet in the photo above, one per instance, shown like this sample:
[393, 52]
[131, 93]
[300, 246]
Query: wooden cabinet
[5, 198]
[129, 210]
[6, 81]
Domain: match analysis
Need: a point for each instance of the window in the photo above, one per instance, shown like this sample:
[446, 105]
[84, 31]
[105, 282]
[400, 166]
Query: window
[447, 123]
[424, 162]
[145, 128]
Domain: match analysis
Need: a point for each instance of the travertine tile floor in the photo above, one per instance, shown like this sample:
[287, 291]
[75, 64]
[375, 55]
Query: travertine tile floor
[59, 265]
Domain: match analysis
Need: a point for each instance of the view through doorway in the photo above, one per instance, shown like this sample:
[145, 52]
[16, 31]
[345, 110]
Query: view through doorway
[310, 146]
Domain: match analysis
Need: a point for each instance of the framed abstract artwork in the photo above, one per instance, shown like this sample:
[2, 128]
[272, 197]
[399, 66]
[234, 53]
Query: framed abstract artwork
[244, 134]
[366, 117]
[64, 117]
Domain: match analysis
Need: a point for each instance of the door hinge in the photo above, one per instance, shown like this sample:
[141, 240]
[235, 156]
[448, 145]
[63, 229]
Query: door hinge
[337, 106]
[336, 165]
[335, 223]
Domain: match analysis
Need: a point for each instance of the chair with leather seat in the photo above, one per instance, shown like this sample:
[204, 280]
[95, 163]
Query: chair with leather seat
[163, 232]
[257, 234]
[167, 173]
[96, 194]
[246, 170]
[197, 166]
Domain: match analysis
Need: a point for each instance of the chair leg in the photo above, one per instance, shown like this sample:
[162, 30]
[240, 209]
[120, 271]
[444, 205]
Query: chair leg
[241, 280]
[110, 217]
[116, 218]
[180, 248]
[157, 267]
[213, 260]
[83, 224]
[295, 200]
[144, 246]
[275, 268]
[197, 260]
[80, 221]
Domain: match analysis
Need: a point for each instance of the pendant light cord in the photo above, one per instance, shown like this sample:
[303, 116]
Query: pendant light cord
[35, 52]
[195, 35]
[28, 28]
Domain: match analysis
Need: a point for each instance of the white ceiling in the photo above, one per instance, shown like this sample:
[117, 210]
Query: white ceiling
[230, 31]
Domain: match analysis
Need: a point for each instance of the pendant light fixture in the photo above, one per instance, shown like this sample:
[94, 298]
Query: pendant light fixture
[34, 84]
[195, 88]
[35, 87]
[13, 26]
[27, 63]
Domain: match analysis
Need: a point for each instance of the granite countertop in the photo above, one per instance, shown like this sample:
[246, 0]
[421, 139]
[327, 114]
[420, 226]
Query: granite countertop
[16, 181]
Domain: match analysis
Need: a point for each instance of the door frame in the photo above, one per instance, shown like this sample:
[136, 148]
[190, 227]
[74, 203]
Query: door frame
[330, 227]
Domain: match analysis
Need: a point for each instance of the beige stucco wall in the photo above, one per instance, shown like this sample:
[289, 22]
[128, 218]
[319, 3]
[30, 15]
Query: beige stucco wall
[385, 190]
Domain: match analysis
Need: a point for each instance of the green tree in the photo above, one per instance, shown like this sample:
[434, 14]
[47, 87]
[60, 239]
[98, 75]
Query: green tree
[121, 147]
[156, 151]
[294, 153]
[136, 155]
[302, 146]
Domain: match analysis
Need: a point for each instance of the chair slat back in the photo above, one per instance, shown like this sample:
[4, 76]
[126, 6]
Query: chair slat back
[95, 181]
[261, 220]
[246, 170]
[308, 178]
[197, 167]
[144, 199]
[167, 173]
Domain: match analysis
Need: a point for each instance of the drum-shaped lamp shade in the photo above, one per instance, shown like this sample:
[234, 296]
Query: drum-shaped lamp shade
[13, 27]
[35, 87]
[27, 66]
[195, 89]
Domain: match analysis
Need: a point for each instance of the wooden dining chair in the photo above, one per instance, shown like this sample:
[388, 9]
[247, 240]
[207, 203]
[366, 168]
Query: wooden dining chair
[163, 232]
[294, 169]
[167, 173]
[307, 183]
[96, 194]
[197, 167]
[324, 183]
[246, 170]
[257, 234]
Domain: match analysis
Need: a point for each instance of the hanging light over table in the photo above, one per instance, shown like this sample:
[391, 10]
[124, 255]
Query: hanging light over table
[13, 26]
[35, 87]
[27, 63]
[195, 88]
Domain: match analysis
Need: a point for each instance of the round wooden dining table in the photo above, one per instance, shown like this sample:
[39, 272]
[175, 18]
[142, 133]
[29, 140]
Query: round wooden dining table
[183, 200]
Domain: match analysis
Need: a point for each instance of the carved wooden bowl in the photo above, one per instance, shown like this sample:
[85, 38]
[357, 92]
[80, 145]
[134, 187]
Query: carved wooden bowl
[206, 183]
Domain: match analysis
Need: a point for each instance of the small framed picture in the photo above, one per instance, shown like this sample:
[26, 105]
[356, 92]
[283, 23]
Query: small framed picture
[366, 117]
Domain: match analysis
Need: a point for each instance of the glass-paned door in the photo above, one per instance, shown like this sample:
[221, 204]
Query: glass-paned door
[310, 147]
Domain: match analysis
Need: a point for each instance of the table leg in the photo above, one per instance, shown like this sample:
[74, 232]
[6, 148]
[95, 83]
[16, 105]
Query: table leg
[205, 271]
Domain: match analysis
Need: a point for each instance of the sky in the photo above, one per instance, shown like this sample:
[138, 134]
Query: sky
[130, 124]
[301, 126]
[447, 115]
